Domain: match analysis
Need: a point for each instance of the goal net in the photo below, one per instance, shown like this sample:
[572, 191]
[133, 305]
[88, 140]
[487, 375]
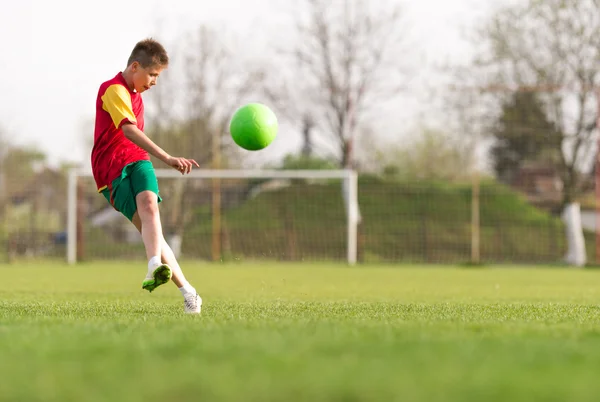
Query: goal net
[226, 215]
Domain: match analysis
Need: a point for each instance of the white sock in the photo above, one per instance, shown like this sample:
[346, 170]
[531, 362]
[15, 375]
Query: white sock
[154, 262]
[187, 289]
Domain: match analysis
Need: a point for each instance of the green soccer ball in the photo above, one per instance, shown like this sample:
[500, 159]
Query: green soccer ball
[253, 126]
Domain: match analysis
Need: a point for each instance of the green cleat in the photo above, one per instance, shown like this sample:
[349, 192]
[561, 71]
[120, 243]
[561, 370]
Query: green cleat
[161, 275]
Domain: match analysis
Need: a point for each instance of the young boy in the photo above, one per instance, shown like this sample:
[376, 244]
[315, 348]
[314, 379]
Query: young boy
[122, 168]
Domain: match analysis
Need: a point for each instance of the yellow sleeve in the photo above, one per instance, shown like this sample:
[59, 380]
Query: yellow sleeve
[117, 102]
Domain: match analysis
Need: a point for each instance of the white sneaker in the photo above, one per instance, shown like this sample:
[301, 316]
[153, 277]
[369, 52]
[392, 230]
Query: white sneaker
[192, 303]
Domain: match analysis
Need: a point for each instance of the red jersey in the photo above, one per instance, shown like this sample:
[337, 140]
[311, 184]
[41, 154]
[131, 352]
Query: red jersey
[116, 105]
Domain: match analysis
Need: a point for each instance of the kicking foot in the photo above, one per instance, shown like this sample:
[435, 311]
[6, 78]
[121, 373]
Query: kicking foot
[159, 276]
[192, 303]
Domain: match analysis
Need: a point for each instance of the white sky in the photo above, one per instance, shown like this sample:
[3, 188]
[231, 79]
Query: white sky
[55, 54]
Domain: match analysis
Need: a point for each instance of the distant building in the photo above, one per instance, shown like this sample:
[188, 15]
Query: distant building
[540, 183]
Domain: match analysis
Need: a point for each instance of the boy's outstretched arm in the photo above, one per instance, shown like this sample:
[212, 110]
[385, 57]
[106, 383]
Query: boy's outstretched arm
[137, 136]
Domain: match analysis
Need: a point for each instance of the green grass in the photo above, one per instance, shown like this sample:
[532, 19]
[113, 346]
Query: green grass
[300, 332]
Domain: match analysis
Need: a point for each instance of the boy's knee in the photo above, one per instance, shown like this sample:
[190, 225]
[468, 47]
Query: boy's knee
[147, 203]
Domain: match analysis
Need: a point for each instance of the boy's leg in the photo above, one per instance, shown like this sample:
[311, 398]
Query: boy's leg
[166, 254]
[135, 194]
[150, 227]
[168, 257]
[192, 301]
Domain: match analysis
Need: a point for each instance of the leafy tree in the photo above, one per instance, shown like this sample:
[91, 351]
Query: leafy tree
[523, 133]
[551, 47]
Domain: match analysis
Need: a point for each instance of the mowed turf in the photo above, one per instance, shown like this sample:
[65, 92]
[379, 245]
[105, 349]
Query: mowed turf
[300, 332]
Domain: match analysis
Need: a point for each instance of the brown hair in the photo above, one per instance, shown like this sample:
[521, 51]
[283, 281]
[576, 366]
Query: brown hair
[148, 53]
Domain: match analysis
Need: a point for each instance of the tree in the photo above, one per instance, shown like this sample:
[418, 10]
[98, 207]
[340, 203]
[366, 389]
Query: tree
[552, 47]
[3, 152]
[306, 162]
[347, 55]
[18, 166]
[3, 185]
[523, 133]
[22, 181]
[433, 155]
[289, 96]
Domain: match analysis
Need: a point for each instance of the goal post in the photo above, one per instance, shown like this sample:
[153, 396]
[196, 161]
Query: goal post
[302, 186]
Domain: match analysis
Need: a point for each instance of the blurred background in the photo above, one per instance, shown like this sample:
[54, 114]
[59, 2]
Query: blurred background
[473, 126]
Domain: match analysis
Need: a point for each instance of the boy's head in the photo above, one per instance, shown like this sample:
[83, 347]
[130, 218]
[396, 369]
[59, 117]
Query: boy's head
[147, 60]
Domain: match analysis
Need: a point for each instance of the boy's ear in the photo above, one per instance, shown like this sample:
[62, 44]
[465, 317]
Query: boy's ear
[134, 66]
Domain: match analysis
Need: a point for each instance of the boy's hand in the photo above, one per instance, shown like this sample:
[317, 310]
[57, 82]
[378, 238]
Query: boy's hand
[182, 165]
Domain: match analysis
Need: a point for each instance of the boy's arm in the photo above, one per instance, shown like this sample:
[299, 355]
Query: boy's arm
[137, 136]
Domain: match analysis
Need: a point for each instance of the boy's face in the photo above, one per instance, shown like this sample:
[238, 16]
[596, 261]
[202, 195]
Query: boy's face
[145, 78]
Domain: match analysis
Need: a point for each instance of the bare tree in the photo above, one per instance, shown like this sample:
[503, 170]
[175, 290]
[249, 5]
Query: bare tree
[290, 97]
[552, 48]
[345, 62]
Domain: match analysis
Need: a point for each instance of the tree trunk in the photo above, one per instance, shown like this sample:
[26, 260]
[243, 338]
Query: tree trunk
[347, 154]
[307, 146]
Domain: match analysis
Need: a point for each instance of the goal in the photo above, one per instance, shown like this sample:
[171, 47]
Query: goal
[226, 215]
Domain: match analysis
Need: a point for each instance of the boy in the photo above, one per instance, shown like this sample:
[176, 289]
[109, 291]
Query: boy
[122, 168]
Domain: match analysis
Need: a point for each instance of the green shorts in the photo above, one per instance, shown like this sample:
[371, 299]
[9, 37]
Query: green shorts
[136, 177]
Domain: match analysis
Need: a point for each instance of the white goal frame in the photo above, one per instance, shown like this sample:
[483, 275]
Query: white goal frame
[350, 196]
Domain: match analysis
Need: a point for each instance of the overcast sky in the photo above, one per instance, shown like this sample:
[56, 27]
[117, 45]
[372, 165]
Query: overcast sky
[56, 53]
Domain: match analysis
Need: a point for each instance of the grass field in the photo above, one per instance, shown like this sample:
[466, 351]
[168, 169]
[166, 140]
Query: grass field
[301, 332]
